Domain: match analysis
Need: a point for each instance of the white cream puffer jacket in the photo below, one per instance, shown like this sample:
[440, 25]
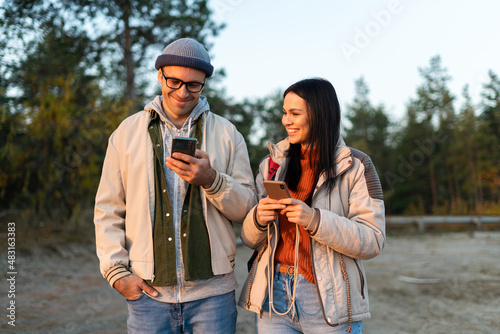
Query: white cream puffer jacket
[351, 228]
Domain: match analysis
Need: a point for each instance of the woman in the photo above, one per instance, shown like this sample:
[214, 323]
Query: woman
[307, 276]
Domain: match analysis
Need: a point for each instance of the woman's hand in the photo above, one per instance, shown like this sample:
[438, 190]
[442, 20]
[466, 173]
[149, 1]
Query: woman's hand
[267, 210]
[297, 211]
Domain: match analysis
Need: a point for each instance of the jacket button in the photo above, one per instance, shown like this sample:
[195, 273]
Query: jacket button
[320, 278]
[157, 145]
[329, 319]
[169, 239]
[184, 235]
[164, 190]
[168, 215]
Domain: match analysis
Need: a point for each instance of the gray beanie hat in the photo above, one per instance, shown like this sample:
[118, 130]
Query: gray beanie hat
[185, 52]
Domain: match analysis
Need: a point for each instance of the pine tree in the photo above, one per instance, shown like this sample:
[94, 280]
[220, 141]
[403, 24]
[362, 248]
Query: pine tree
[426, 139]
[369, 129]
[490, 143]
[127, 34]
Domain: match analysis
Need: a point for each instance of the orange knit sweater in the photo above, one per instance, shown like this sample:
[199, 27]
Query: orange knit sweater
[285, 252]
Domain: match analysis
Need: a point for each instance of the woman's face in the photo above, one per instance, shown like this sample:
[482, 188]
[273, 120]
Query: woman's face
[296, 119]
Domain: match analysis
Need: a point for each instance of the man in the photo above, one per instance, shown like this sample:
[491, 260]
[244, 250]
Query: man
[164, 221]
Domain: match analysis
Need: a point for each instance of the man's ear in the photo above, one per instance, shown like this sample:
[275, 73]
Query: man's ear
[160, 76]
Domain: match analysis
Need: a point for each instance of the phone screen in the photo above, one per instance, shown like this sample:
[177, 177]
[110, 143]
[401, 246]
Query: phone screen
[184, 145]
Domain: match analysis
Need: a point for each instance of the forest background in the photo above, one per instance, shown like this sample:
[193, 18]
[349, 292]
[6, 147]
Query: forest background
[71, 71]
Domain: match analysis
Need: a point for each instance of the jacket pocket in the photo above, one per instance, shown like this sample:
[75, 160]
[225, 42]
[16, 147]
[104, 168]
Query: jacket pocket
[361, 278]
[135, 299]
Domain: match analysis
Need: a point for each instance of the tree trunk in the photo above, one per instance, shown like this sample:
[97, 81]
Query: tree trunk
[480, 192]
[451, 190]
[433, 184]
[475, 191]
[127, 54]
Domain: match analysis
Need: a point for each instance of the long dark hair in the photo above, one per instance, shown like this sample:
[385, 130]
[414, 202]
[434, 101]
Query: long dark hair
[324, 119]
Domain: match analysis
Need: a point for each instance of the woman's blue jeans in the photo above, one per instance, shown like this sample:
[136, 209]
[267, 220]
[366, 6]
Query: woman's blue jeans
[306, 317]
[210, 315]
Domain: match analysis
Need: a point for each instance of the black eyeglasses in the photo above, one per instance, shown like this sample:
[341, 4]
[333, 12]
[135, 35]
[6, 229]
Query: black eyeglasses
[192, 86]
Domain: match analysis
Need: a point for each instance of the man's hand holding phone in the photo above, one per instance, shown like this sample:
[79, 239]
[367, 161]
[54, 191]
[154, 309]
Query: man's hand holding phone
[191, 164]
[184, 145]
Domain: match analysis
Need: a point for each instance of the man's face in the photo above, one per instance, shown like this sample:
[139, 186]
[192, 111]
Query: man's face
[178, 103]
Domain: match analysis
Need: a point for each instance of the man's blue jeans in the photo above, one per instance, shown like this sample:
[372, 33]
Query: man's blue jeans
[307, 318]
[210, 315]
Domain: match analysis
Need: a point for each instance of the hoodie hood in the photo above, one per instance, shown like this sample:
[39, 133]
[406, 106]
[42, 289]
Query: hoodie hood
[156, 105]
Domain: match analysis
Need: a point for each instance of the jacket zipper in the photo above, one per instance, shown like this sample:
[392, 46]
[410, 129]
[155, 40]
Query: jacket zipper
[316, 284]
[252, 276]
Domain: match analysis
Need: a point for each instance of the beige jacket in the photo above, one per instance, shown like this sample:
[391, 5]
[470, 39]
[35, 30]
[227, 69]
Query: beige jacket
[124, 208]
[351, 228]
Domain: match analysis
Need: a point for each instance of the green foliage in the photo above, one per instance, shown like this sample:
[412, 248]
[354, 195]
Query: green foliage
[125, 35]
[270, 110]
[138, 30]
[69, 74]
[489, 140]
[422, 161]
[259, 121]
[57, 134]
[445, 162]
[369, 130]
[491, 104]
[66, 68]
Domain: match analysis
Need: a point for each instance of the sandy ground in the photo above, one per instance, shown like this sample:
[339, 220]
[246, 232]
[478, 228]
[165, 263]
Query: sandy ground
[446, 283]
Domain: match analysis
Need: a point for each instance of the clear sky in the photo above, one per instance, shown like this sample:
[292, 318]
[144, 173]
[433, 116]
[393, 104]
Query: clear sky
[268, 45]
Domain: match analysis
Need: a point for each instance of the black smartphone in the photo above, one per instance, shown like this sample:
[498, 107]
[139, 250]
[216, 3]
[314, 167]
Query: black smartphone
[276, 189]
[184, 145]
